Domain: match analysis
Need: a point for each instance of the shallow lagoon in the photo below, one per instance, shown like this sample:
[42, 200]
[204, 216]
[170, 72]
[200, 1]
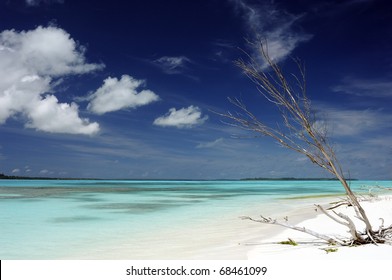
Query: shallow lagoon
[56, 219]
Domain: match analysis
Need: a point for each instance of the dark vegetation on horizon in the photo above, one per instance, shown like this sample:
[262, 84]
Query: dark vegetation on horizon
[8, 177]
[12, 177]
[293, 179]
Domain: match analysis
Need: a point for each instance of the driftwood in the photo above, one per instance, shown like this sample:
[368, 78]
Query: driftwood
[264, 220]
[384, 234]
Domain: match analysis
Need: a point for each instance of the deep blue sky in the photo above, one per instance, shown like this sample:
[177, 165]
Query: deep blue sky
[127, 89]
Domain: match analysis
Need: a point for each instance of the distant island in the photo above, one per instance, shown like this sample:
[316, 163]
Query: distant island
[293, 179]
[8, 177]
[12, 177]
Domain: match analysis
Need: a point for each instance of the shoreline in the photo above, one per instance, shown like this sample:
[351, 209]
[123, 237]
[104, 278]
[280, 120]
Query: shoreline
[222, 238]
[254, 241]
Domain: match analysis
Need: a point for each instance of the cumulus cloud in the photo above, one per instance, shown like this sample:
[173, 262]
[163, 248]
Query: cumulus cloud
[173, 64]
[45, 51]
[49, 113]
[116, 94]
[16, 170]
[276, 26]
[31, 62]
[182, 118]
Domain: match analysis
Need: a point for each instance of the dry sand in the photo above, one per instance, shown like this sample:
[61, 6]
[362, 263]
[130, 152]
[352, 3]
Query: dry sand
[310, 248]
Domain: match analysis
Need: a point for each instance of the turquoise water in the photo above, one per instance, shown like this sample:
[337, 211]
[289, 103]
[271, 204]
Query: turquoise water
[53, 219]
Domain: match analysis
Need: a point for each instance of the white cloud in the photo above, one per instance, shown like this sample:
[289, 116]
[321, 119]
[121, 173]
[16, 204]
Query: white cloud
[182, 118]
[265, 21]
[172, 64]
[31, 62]
[51, 116]
[46, 51]
[38, 2]
[16, 170]
[383, 142]
[365, 87]
[210, 144]
[45, 172]
[116, 94]
[351, 122]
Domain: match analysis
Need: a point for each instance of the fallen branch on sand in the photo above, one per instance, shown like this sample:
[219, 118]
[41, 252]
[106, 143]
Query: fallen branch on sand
[380, 236]
[271, 221]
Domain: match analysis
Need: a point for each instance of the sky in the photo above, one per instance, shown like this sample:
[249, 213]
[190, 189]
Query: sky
[131, 89]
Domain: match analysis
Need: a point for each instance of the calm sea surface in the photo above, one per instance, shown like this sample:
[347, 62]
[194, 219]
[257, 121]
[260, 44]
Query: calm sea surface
[52, 219]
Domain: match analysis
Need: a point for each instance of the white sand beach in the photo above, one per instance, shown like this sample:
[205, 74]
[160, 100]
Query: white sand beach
[310, 248]
[230, 238]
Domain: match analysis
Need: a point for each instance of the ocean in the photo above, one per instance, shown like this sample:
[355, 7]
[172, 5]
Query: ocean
[78, 219]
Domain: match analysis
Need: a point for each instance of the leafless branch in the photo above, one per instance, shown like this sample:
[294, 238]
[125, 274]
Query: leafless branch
[301, 132]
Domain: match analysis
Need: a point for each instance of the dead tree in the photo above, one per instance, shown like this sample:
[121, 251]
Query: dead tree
[301, 133]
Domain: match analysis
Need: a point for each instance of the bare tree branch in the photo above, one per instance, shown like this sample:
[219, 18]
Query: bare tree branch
[301, 132]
